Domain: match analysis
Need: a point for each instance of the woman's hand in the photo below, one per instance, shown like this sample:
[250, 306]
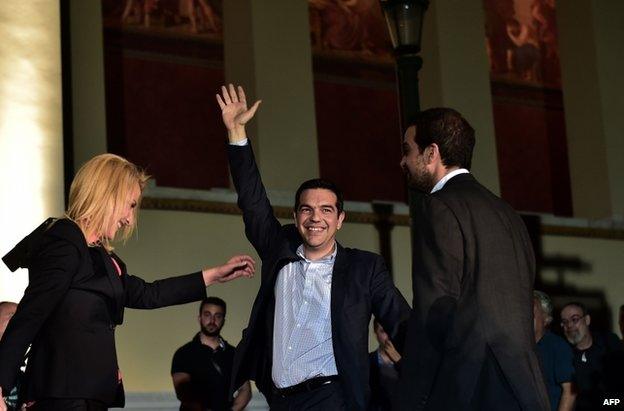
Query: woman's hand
[3, 406]
[237, 266]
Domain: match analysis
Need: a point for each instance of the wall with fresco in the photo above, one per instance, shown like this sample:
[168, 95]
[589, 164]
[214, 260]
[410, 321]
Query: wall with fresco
[527, 103]
[164, 61]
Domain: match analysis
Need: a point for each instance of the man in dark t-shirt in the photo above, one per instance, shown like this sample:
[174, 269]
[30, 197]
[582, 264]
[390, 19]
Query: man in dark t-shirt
[598, 359]
[202, 369]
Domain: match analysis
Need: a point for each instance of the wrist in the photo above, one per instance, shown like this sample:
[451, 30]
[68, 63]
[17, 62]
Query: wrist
[236, 134]
[207, 274]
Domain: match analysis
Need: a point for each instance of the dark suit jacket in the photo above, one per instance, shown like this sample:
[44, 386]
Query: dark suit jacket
[381, 395]
[360, 286]
[470, 338]
[69, 311]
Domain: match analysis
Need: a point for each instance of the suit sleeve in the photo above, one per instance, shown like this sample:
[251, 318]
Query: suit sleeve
[437, 270]
[438, 259]
[50, 276]
[261, 226]
[388, 304]
[163, 293]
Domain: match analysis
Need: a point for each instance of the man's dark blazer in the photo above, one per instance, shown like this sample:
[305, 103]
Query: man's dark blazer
[470, 342]
[381, 397]
[74, 300]
[360, 286]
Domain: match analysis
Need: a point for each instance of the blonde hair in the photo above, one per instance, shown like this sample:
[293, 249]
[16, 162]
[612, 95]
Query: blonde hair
[99, 192]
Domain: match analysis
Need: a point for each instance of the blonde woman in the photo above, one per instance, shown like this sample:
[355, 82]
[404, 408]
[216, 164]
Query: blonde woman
[78, 290]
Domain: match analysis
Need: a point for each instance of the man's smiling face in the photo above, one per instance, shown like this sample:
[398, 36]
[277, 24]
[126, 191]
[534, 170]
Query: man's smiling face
[317, 219]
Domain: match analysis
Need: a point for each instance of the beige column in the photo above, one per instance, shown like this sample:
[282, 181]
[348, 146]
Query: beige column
[31, 129]
[267, 50]
[87, 76]
[592, 62]
[455, 74]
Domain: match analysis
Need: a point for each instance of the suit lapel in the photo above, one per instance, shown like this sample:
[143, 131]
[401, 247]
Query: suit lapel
[339, 277]
[116, 284]
[286, 254]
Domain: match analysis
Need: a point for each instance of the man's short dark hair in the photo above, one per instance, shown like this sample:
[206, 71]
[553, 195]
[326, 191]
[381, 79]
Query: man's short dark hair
[447, 128]
[316, 183]
[213, 301]
[578, 304]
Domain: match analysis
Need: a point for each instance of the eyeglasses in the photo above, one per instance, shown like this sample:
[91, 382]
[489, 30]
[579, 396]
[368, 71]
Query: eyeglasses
[573, 321]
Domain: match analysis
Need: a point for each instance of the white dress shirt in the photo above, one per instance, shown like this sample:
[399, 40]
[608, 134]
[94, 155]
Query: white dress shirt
[302, 334]
[447, 177]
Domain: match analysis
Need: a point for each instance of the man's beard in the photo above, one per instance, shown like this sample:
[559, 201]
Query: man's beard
[421, 181]
[574, 337]
[212, 332]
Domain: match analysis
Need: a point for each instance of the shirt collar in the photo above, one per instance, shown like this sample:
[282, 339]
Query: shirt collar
[221, 342]
[447, 177]
[328, 259]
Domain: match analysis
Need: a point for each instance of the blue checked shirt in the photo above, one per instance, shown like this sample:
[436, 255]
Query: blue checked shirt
[302, 335]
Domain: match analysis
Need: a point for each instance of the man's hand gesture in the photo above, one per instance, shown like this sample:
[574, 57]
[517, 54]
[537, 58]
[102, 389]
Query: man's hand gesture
[234, 111]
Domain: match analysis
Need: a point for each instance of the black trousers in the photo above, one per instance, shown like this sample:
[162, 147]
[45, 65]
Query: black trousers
[326, 398]
[68, 404]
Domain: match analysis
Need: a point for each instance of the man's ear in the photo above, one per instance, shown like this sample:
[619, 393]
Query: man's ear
[432, 153]
[341, 218]
[587, 319]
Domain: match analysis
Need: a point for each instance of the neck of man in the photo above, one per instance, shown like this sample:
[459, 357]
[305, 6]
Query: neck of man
[539, 334]
[212, 342]
[444, 171]
[316, 254]
[585, 343]
[440, 172]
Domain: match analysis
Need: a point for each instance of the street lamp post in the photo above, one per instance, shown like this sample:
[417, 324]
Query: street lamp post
[404, 19]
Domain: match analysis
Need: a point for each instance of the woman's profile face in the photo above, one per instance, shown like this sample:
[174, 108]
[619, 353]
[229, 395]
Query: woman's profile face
[127, 213]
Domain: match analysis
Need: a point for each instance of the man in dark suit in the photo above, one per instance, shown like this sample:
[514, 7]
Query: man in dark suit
[306, 345]
[470, 343]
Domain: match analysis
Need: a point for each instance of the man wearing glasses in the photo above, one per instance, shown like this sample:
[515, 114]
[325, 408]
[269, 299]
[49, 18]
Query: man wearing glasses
[598, 358]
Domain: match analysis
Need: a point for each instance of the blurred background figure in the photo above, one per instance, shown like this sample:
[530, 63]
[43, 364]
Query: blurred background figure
[554, 354]
[598, 358]
[202, 369]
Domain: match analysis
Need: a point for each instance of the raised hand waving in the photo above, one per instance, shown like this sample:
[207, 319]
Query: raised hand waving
[234, 111]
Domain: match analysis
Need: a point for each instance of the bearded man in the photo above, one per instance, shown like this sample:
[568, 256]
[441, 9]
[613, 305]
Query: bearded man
[202, 369]
[598, 358]
[470, 342]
